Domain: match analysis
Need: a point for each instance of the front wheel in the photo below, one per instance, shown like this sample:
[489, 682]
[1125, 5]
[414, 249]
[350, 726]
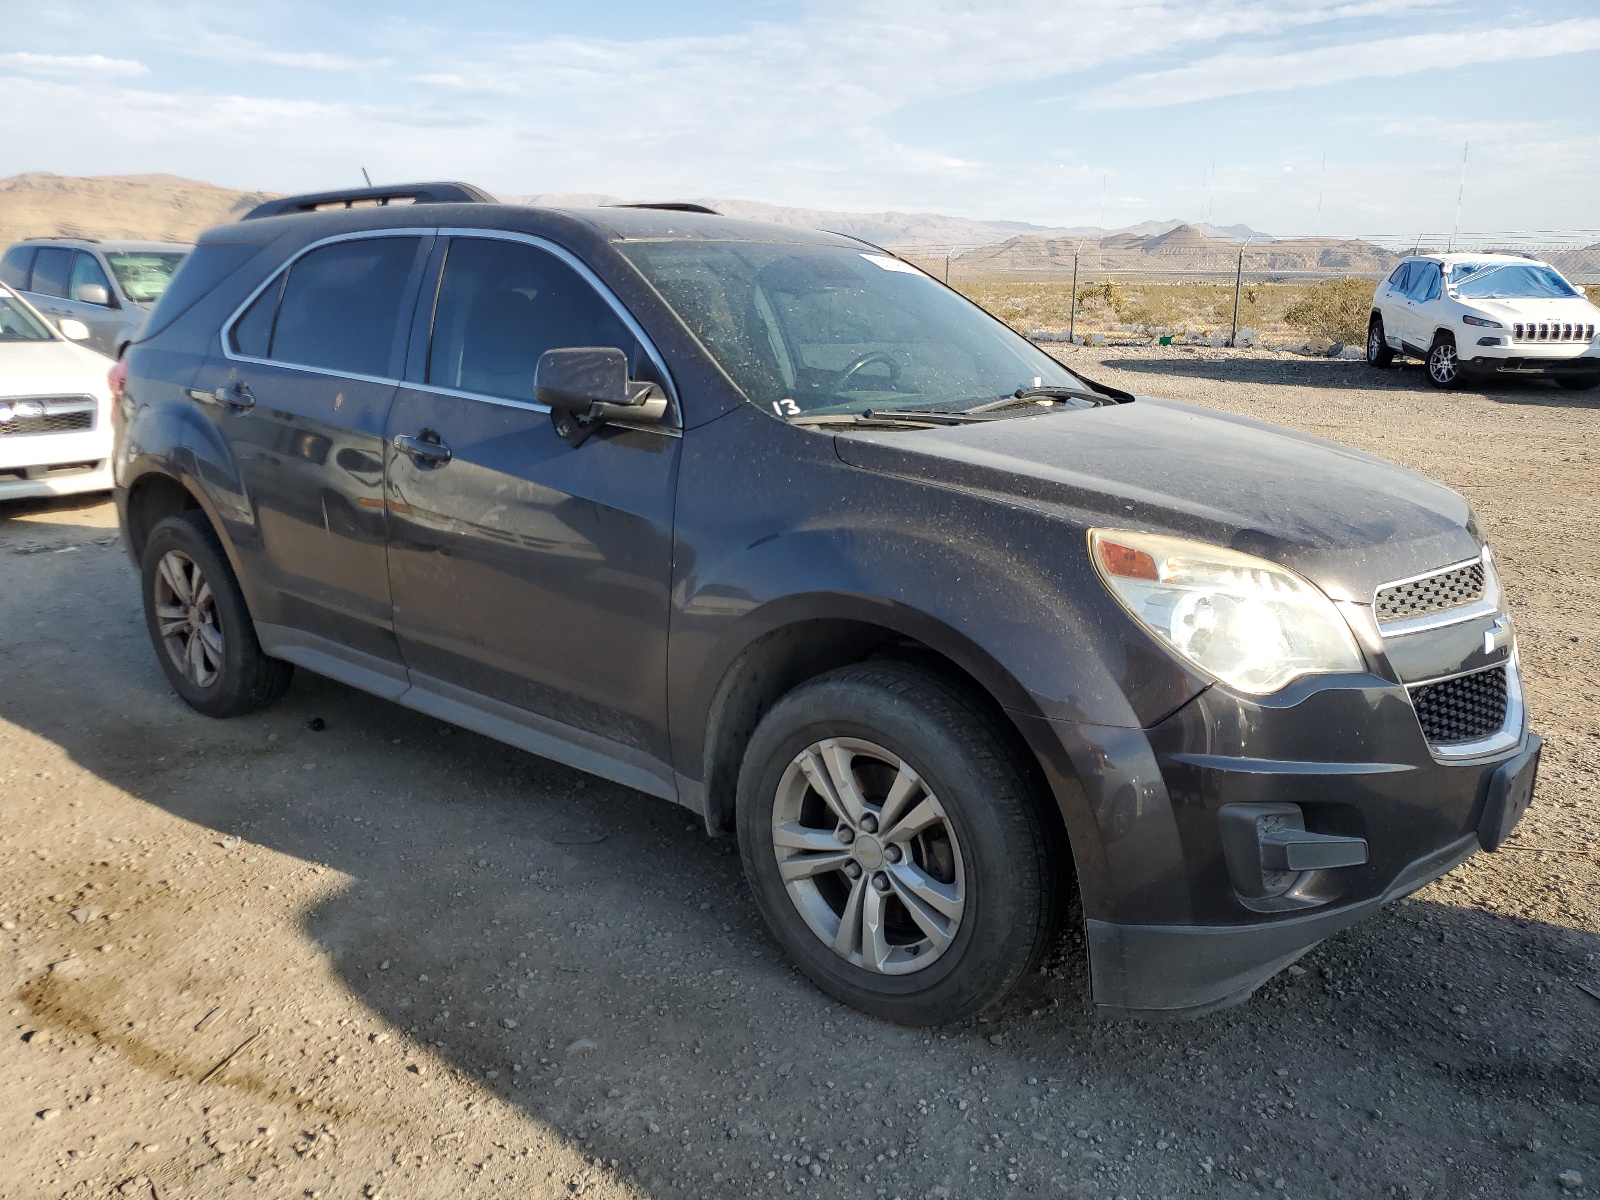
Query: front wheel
[896, 844]
[1444, 365]
[1378, 352]
[201, 627]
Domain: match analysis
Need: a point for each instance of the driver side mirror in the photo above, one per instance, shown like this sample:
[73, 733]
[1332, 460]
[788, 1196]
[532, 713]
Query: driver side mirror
[587, 386]
[92, 293]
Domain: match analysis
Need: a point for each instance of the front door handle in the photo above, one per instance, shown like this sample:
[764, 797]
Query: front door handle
[426, 449]
[239, 397]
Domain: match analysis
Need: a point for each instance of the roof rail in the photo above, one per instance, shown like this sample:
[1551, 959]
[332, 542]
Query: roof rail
[416, 193]
[671, 206]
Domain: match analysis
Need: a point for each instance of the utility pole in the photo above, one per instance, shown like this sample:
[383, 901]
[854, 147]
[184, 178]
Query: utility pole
[1460, 192]
[948, 255]
[1102, 205]
[1238, 283]
[1072, 321]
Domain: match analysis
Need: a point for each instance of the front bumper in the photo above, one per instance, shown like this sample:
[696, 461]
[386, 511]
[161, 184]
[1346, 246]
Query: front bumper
[54, 464]
[1169, 932]
[1517, 362]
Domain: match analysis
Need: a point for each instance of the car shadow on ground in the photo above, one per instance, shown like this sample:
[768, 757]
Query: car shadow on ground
[1344, 375]
[587, 953]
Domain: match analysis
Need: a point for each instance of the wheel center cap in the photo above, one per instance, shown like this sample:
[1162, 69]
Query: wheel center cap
[868, 851]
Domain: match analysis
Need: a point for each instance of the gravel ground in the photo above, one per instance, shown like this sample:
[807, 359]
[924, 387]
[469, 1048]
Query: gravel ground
[339, 950]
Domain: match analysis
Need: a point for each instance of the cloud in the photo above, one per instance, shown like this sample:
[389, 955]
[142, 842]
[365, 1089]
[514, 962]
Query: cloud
[231, 48]
[93, 66]
[1240, 74]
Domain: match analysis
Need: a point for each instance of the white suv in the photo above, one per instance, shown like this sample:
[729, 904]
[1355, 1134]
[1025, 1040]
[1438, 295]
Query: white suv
[1485, 314]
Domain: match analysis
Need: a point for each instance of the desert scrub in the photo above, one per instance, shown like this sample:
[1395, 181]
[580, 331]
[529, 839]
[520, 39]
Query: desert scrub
[1336, 309]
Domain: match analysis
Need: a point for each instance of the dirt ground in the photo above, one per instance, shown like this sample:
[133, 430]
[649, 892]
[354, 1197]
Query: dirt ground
[339, 950]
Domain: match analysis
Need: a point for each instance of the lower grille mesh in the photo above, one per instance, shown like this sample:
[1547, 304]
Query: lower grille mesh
[1463, 709]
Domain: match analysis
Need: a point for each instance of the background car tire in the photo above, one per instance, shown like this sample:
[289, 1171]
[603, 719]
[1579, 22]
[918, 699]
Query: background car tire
[1012, 860]
[1378, 352]
[1579, 385]
[234, 678]
[1444, 365]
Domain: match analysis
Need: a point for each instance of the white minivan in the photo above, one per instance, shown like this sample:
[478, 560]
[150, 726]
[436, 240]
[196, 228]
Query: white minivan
[1485, 314]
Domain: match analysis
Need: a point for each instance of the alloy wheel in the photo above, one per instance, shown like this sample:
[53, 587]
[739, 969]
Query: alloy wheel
[1374, 343]
[1443, 365]
[186, 618]
[869, 856]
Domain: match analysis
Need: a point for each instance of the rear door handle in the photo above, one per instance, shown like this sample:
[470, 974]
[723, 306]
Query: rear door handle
[239, 397]
[426, 449]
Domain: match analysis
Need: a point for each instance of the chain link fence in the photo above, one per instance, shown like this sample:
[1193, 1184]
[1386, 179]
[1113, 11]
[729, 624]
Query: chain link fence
[1312, 293]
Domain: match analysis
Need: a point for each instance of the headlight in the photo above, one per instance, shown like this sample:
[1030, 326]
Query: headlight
[1485, 322]
[1253, 624]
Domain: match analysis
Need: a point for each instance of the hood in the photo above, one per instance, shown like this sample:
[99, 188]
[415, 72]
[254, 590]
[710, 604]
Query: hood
[51, 368]
[1344, 519]
[1563, 308]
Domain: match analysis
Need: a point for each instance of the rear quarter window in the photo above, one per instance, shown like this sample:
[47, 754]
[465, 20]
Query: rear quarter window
[199, 274]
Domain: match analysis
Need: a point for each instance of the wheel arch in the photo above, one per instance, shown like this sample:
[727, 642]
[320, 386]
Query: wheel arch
[792, 645]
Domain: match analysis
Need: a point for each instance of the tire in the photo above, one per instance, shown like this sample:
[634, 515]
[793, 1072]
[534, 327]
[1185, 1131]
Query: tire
[1579, 385]
[1444, 366]
[973, 840]
[1378, 352]
[199, 624]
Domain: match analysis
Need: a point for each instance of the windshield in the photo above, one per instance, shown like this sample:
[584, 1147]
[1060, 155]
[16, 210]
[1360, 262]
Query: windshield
[17, 324]
[832, 329]
[1509, 281]
[144, 274]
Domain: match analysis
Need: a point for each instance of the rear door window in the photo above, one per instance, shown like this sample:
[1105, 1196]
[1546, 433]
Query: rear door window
[15, 266]
[1397, 281]
[503, 304]
[339, 309]
[52, 266]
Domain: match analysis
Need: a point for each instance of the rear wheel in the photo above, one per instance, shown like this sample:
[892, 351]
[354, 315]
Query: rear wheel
[895, 844]
[1444, 365]
[1581, 384]
[200, 625]
[1378, 352]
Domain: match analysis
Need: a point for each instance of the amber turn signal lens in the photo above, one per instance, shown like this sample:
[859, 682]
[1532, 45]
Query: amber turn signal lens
[1125, 562]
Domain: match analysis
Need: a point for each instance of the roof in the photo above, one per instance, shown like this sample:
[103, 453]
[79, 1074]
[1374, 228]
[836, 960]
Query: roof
[1466, 256]
[115, 245]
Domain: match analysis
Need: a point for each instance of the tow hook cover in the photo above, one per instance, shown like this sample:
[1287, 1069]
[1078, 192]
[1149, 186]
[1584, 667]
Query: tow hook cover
[1268, 845]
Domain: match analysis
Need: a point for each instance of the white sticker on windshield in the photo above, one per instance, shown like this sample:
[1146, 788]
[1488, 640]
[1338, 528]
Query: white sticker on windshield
[891, 264]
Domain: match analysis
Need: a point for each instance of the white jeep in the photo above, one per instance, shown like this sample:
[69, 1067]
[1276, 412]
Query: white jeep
[1485, 314]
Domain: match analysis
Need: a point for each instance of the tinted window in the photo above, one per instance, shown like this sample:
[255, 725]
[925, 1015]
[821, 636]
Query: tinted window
[503, 304]
[51, 266]
[14, 267]
[202, 270]
[1397, 281]
[86, 269]
[341, 307]
[252, 333]
[1424, 282]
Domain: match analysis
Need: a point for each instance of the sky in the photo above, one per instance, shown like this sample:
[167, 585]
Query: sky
[1291, 116]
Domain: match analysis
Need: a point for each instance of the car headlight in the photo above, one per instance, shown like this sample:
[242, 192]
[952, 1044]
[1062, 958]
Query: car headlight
[1485, 322]
[1251, 623]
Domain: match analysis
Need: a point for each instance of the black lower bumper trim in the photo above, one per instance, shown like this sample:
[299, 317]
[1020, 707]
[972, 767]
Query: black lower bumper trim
[1172, 972]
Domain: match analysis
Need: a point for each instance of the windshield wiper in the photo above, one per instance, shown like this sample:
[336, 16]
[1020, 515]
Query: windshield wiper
[927, 420]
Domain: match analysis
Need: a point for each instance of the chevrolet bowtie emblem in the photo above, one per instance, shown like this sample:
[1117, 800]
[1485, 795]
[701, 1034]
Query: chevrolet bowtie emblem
[1498, 634]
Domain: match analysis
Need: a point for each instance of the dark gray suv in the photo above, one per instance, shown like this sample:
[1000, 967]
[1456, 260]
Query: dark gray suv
[772, 525]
